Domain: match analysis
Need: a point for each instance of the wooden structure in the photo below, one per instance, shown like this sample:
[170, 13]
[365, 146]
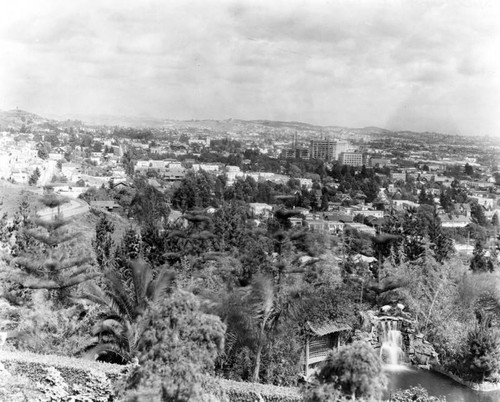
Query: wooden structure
[320, 341]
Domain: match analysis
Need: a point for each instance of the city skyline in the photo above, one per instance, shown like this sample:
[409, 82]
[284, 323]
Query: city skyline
[421, 66]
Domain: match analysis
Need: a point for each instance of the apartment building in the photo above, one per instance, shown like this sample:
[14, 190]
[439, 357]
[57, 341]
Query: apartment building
[327, 149]
[351, 158]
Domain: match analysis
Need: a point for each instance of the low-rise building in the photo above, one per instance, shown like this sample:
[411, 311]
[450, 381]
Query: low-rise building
[260, 209]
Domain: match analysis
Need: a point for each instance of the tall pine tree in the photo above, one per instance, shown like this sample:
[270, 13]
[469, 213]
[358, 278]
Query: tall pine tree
[54, 264]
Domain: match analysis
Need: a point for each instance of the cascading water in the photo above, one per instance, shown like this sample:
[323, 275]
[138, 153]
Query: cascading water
[391, 348]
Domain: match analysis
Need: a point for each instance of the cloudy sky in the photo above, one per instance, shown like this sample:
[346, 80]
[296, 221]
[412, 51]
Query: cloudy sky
[406, 64]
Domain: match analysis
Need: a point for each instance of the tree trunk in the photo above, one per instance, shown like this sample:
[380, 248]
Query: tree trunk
[260, 346]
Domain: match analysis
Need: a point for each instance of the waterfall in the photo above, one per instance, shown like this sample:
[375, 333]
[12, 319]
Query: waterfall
[391, 348]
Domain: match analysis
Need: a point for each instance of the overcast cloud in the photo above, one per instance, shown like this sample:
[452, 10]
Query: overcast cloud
[418, 65]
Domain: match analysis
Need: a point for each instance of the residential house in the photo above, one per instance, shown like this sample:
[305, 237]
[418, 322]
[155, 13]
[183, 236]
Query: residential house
[454, 221]
[260, 209]
[107, 205]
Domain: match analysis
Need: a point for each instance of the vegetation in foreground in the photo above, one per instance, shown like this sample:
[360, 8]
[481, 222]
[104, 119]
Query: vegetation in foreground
[227, 294]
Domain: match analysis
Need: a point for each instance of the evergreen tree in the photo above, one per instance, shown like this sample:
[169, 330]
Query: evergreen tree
[34, 177]
[482, 351]
[494, 220]
[103, 242]
[468, 170]
[479, 261]
[424, 198]
[21, 221]
[130, 248]
[477, 213]
[440, 243]
[56, 265]
[445, 199]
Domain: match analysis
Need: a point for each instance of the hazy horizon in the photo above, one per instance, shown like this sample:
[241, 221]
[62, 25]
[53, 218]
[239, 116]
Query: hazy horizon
[417, 66]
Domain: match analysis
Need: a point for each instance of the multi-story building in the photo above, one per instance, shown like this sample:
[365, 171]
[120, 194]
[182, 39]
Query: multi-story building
[379, 162]
[351, 158]
[302, 153]
[327, 149]
[299, 152]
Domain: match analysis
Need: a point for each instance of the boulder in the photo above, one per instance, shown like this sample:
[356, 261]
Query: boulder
[421, 352]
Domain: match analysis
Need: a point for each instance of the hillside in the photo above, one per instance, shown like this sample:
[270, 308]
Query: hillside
[17, 118]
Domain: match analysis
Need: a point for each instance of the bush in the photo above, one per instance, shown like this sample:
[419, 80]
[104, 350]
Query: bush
[74, 371]
[482, 353]
[355, 370]
[36, 375]
[17, 388]
[176, 351]
[41, 327]
[250, 392]
[417, 394]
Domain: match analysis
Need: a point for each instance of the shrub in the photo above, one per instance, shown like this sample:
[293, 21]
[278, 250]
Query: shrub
[482, 353]
[41, 327]
[417, 394]
[88, 377]
[355, 370]
[17, 388]
[177, 349]
[237, 391]
[55, 388]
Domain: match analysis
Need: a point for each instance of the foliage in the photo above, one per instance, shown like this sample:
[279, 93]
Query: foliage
[17, 388]
[479, 262]
[482, 352]
[149, 205]
[103, 242]
[48, 377]
[34, 177]
[324, 393]
[239, 391]
[417, 394]
[117, 335]
[55, 265]
[249, 314]
[176, 351]
[477, 214]
[42, 327]
[355, 370]
[55, 388]
[195, 191]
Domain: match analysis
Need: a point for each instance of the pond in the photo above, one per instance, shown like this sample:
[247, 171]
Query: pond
[436, 384]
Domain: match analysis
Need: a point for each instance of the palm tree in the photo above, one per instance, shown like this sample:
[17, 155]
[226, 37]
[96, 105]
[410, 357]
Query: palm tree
[261, 303]
[117, 335]
[250, 313]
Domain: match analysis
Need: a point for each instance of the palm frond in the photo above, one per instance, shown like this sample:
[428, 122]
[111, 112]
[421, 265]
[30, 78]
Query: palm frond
[119, 294]
[141, 276]
[94, 352]
[261, 298]
[95, 294]
[76, 280]
[163, 283]
[111, 326]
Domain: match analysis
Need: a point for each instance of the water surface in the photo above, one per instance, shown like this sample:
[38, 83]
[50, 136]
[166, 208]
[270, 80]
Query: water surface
[401, 377]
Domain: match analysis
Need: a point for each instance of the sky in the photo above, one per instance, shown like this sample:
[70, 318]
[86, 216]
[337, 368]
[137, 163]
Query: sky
[416, 65]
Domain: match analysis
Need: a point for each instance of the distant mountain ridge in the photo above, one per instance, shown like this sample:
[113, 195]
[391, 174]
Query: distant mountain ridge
[16, 118]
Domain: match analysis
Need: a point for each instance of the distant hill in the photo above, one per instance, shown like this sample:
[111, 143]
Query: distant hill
[17, 118]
